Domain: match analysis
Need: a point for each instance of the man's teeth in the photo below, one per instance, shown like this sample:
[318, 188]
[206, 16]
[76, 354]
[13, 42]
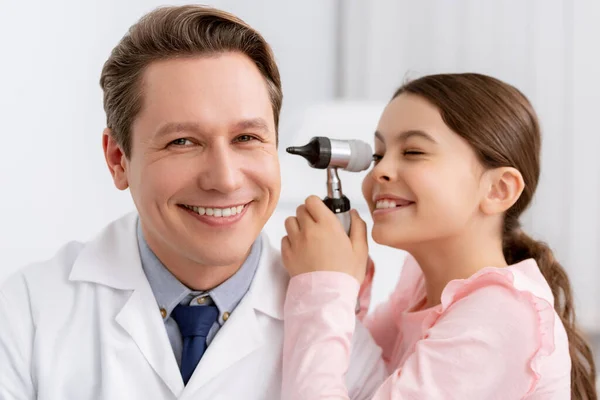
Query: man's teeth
[217, 212]
[385, 204]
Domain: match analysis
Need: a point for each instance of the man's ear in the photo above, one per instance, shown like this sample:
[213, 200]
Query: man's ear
[115, 159]
[503, 187]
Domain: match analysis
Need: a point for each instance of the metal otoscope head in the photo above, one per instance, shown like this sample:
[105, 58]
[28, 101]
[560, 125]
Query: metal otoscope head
[322, 152]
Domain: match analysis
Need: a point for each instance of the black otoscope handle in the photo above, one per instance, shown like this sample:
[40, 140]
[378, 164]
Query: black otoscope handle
[341, 208]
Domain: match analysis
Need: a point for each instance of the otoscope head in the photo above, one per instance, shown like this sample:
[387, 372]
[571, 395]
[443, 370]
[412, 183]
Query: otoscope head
[317, 152]
[322, 152]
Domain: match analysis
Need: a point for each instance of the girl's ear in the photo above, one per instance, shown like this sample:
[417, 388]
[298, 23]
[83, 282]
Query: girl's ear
[503, 187]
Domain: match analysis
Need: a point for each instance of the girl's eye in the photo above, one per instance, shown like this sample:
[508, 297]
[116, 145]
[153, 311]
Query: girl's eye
[413, 153]
[377, 158]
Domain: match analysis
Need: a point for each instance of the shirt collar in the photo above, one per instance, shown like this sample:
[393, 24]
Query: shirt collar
[169, 291]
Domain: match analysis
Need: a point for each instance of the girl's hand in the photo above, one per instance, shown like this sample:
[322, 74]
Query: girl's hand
[316, 241]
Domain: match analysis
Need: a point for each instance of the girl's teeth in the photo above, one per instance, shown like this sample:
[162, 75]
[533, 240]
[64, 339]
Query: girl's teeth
[385, 204]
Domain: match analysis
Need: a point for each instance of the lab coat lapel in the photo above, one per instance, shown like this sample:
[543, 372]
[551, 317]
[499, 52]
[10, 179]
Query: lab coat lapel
[242, 334]
[113, 259]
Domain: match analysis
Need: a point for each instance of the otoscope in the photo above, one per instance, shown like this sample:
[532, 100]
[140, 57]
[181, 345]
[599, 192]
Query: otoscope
[331, 154]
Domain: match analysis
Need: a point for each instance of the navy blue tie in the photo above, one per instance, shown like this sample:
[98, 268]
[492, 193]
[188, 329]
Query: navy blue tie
[194, 323]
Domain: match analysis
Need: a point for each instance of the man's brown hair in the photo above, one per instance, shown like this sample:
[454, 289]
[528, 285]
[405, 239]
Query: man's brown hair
[175, 32]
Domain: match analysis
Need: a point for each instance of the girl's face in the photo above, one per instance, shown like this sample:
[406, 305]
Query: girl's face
[426, 184]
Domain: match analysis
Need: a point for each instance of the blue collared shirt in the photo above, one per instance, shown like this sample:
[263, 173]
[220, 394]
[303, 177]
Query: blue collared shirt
[169, 291]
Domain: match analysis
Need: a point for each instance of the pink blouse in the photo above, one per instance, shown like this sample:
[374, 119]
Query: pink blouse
[495, 335]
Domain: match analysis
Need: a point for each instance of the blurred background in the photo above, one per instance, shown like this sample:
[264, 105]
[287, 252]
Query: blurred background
[340, 62]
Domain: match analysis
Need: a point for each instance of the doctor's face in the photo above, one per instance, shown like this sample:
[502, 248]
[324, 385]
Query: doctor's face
[204, 171]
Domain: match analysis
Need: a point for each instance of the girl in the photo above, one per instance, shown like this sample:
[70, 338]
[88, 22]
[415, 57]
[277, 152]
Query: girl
[481, 311]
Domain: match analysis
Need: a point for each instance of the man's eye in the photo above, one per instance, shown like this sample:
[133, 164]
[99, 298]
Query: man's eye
[245, 138]
[181, 142]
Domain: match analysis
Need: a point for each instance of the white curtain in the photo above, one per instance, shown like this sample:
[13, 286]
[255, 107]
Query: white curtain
[547, 48]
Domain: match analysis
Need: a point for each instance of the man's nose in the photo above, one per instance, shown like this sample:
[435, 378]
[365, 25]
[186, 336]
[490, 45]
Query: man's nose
[222, 172]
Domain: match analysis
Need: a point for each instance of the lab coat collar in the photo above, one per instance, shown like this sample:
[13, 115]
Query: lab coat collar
[113, 259]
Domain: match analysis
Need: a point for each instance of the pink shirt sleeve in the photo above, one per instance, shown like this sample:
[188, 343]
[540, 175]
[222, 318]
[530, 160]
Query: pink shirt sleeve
[480, 347]
[379, 322]
[316, 356]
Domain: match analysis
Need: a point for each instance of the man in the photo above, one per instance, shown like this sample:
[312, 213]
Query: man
[183, 299]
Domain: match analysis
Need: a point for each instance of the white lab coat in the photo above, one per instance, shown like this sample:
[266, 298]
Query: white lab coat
[85, 325]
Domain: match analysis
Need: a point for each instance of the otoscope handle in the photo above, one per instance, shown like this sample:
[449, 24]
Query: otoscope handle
[341, 208]
[345, 219]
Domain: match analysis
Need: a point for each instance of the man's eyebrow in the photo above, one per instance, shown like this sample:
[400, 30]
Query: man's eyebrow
[171, 127]
[256, 124]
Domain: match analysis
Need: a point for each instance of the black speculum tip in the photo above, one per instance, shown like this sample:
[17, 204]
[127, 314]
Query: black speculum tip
[317, 152]
[308, 151]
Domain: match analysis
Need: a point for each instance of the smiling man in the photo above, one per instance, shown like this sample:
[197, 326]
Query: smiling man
[182, 299]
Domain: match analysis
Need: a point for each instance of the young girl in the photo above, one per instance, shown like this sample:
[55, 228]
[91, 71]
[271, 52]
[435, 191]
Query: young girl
[481, 311]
